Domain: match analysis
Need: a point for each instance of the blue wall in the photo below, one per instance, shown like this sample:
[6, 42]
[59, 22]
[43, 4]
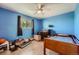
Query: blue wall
[62, 23]
[37, 25]
[77, 21]
[8, 25]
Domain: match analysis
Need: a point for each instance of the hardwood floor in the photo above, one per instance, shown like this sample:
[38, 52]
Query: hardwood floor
[35, 48]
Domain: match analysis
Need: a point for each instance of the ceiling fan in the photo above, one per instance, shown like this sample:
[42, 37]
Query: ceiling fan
[40, 9]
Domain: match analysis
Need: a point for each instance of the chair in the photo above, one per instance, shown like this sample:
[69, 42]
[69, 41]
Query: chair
[4, 44]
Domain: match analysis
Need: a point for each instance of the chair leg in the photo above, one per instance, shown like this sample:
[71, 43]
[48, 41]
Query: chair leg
[44, 51]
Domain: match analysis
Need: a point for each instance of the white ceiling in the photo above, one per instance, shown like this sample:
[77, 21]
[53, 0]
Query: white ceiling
[50, 9]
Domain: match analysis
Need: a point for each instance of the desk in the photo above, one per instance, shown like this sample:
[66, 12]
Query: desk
[43, 34]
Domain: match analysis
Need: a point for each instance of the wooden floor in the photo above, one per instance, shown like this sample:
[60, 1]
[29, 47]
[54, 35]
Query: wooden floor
[34, 48]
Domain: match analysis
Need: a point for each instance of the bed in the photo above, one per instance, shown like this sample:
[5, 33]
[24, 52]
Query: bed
[62, 44]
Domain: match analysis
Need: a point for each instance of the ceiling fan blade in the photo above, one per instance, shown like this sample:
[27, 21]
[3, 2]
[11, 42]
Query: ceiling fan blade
[40, 6]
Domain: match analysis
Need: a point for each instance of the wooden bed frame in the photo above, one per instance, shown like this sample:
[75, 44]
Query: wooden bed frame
[63, 48]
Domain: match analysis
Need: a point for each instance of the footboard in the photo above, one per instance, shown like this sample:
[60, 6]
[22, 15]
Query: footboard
[62, 48]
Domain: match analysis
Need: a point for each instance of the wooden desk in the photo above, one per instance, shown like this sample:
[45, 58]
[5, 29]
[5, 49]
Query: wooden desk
[43, 34]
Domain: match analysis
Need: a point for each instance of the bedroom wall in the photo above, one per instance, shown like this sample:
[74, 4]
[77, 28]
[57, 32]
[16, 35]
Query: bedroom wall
[77, 21]
[38, 26]
[8, 25]
[62, 23]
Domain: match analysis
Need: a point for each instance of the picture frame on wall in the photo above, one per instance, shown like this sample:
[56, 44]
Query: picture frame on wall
[26, 23]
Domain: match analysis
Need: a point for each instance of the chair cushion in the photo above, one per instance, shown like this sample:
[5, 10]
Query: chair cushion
[2, 40]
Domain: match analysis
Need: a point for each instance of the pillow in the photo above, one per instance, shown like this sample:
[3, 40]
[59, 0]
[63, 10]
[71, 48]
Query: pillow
[2, 40]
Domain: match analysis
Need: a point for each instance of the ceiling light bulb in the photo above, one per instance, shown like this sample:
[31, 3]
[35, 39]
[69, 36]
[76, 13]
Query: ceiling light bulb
[38, 11]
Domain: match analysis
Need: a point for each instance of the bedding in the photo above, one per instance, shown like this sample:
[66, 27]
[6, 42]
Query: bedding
[63, 39]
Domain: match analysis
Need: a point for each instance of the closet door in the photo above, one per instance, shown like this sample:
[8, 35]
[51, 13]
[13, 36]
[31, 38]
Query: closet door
[19, 29]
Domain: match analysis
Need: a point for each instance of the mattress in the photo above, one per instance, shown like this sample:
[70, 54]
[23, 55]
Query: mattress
[63, 39]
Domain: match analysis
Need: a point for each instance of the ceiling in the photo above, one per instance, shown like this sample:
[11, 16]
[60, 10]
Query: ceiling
[50, 9]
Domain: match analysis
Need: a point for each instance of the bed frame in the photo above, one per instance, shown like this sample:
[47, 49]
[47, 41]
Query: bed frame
[63, 48]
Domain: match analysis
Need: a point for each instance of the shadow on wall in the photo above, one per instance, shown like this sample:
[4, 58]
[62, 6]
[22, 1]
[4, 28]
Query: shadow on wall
[51, 32]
